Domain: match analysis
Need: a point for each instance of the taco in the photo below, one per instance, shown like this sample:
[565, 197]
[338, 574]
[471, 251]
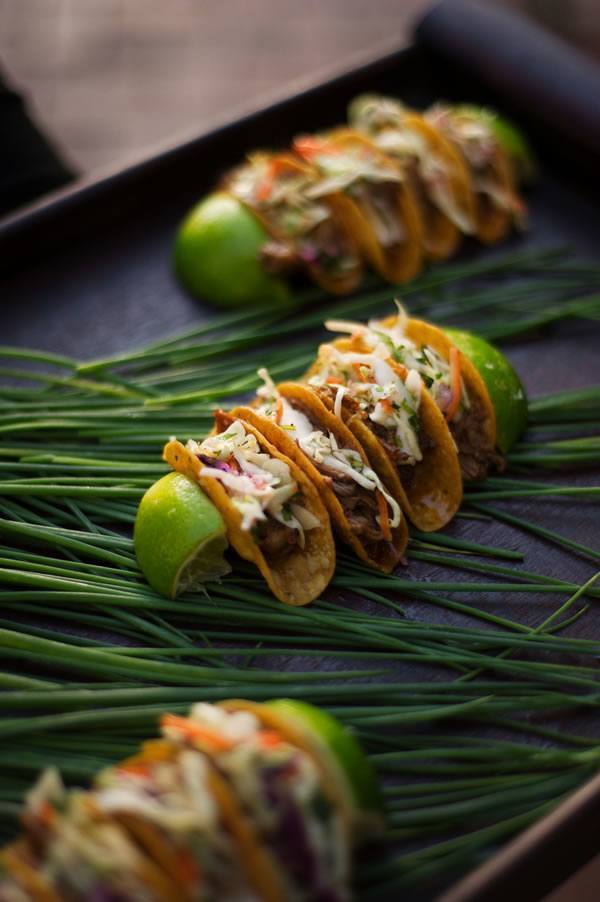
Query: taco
[398, 424]
[436, 171]
[304, 230]
[20, 877]
[181, 809]
[82, 851]
[287, 813]
[370, 194]
[274, 516]
[498, 205]
[450, 377]
[363, 512]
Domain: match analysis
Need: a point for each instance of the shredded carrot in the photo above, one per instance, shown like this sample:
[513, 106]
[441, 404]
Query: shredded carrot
[278, 411]
[269, 739]
[264, 189]
[307, 146]
[194, 731]
[46, 813]
[398, 368]
[334, 380]
[358, 369]
[455, 384]
[384, 520]
[189, 869]
[387, 405]
[142, 770]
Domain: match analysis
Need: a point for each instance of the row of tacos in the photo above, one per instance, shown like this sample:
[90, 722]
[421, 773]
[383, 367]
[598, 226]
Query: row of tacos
[381, 430]
[237, 802]
[392, 190]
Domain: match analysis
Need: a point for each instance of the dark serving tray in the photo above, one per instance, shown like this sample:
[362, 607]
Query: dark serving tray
[88, 273]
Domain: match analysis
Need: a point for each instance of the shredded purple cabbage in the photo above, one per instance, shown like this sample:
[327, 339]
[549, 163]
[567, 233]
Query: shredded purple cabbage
[213, 462]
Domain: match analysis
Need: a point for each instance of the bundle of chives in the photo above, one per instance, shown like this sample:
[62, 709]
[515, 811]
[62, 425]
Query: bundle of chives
[79, 442]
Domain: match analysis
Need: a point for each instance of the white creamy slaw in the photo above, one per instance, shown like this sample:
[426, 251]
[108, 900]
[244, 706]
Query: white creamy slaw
[384, 119]
[256, 483]
[322, 447]
[288, 197]
[392, 341]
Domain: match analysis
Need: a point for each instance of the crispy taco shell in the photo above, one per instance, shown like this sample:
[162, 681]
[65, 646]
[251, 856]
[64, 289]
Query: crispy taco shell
[430, 491]
[148, 869]
[159, 849]
[441, 235]
[261, 869]
[17, 861]
[401, 261]
[383, 555]
[329, 280]
[303, 574]
[493, 222]
[474, 430]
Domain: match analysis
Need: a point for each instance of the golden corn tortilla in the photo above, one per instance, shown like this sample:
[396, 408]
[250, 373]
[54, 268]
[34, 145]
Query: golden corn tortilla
[17, 861]
[441, 235]
[492, 223]
[422, 333]
[304, 573]
[342, 282]
[386, 558]
[434, 493]
[403, 261]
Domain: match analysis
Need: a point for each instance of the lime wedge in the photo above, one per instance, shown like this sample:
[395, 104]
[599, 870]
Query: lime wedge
[217, 255]
[179, 536]
[502, 382]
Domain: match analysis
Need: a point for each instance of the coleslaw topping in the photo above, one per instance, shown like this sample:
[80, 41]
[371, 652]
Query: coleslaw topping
[268, 184]
[257, 484]
[471, 130]
[372, 380]
[342, 168]
[391, 340]
[384, 119]
[322, 447]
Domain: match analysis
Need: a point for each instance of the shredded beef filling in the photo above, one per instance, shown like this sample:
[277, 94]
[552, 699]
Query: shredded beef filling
[470, 437]
[278, 258]
[359, 504]
[276, 540]
[379, 204]
[385, 437]
[329, 247]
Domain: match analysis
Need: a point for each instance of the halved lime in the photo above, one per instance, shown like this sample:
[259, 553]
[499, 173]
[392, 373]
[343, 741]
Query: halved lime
[502, 382]
[179, 536]
[341, 744]
[217, 255]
